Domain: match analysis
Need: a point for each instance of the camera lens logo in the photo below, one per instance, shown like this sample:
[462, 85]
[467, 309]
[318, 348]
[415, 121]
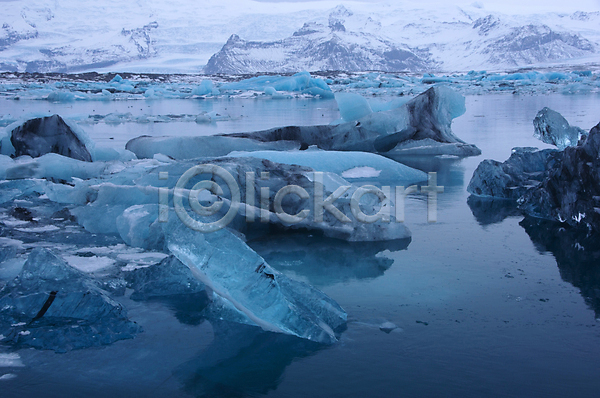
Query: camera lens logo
[205, 211]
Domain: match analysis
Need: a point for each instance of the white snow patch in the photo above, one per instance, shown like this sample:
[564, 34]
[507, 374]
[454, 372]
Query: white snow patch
[89, 264]
[361, 172]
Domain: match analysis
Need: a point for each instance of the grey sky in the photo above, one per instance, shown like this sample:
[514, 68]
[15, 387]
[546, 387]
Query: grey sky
[496, 5]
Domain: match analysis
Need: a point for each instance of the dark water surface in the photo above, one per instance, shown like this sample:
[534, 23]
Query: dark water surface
[486, 303]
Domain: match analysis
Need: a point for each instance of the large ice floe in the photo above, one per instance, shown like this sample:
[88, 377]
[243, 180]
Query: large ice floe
[558, 185]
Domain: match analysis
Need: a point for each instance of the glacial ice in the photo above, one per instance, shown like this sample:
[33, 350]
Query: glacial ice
[427, 116]
[51, 305]
[226, 265]
[511, 179]
[40, 136]
[552, 128]
[342, 162]
[203, 146]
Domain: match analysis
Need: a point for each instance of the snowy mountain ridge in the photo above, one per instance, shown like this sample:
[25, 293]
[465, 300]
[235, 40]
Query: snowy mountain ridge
[250, 37]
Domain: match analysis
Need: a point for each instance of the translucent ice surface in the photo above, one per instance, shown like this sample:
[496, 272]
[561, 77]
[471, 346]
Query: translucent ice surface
[235, 272]
[552, 128]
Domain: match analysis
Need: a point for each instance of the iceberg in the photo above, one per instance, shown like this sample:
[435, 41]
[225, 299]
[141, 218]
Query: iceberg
[51, 134]
[552, 128]
[51, 305]
[426, 117]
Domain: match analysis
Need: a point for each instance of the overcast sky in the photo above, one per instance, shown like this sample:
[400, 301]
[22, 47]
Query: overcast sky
[496, 5]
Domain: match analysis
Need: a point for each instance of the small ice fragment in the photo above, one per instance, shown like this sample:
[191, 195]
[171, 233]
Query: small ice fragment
[10, 360]
[8, 376]
[387, 327]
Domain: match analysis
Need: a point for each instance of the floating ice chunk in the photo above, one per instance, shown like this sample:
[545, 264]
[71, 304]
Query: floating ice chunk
[8, 376]
[196, 147]
[345, 226]
[552, 128]
[57, 307]
[40, 136]
[237, 274]
[352, 106]
[511, 179]
[341, 162]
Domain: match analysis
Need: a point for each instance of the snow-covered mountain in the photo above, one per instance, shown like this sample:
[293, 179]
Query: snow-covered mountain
[316, 47]
[246, 36]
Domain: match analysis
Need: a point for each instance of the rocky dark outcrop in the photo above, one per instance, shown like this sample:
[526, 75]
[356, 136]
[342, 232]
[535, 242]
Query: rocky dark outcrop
[570, 191]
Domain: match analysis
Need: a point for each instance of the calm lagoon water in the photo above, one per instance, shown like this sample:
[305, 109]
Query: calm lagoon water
[486, 303]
